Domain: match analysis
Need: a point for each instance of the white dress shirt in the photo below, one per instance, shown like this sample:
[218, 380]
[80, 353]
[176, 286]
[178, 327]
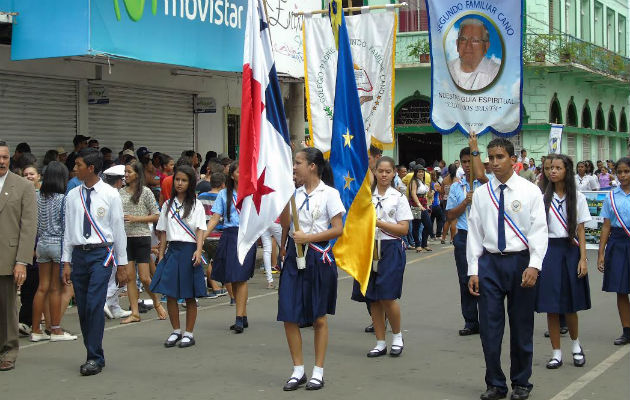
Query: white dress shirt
[586, 182]
[196, 219]
[393, 208]
[106, 209]
[523, 203]
[323, 204]
[2, 179]
[556, 229]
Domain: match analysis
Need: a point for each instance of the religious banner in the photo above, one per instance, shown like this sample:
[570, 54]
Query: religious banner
[555, 139]
[373, 44]
[476, 65]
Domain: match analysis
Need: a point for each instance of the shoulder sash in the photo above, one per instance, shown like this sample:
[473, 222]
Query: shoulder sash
[555, 211]
[184, 226]
[110, 250]
[617, 214]
[508, 220]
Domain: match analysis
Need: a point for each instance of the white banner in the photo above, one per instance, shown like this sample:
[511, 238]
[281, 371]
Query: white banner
[373, 43]
[476, 57]
[555, 139]
[286, 33]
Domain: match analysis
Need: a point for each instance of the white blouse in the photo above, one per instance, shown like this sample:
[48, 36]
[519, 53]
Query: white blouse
[556, 229]
[317, 209]
[174, 231]
[391, 207]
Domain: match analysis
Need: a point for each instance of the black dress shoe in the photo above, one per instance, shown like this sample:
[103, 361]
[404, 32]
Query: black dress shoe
[369, 328]
[90, 368]
[579, 361]
[554, 363]
[468, 331]
[493, 393]
[520, 393]
[237, 328]
[186, 343]
[395, 350]
[245, 322]
[315, 384]
[564, 330]
[293, 383]
[172, 343]
[376, 352]
[621, 340]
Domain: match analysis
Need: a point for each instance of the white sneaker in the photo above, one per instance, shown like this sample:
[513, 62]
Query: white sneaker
[120, 313]
[108, 312]
[63, 337]
[38, 337]
[24, 330]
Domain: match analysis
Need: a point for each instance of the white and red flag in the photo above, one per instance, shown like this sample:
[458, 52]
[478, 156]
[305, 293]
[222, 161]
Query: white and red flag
[265, 161]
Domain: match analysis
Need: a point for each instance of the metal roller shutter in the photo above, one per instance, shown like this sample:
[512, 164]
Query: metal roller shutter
[160, 120]
[39, 111]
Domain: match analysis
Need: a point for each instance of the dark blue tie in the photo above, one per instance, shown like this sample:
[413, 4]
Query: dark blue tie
[378, 203]
[305, 203]
[501, 222]
[559, 204]
[87, 226]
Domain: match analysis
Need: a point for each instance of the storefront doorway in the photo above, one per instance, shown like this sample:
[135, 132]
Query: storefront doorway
[415, 137]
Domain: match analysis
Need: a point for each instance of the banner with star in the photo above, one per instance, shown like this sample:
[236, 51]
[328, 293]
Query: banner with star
[373, 47]
[349, 162]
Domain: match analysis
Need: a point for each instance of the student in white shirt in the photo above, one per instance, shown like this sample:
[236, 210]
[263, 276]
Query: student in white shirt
[583, 181]
[506, 243]
[563, 286]
[179, 274]
[307, 295]
[94, 240]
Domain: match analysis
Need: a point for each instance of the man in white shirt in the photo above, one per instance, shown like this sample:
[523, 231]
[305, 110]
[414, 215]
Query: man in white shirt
[94, 240]
[506, 244]
[472, 70]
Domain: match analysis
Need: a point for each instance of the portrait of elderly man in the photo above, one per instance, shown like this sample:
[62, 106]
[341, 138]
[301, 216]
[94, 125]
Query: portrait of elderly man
[472, 70]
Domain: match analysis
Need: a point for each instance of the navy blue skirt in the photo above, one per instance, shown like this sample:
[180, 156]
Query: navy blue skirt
[225, 266]
[386, 284]
[175, 275]
[617, 262]
[307, 294]
[559, 290]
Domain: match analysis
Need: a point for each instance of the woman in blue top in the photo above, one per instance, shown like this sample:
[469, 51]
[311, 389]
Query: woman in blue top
[226, 268]
[614, 246]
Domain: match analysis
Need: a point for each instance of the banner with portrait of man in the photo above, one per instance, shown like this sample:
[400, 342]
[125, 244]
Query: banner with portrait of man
[476, 65]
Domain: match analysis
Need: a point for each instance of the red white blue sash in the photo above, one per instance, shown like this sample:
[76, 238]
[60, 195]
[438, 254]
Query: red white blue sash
[110, 259]
[617, 214]
[563, 222]
[508, 220]
[184, 226]
[234, 203]
[324, 251]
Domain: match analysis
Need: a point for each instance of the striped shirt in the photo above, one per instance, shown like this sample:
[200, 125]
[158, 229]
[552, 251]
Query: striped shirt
[50, 218]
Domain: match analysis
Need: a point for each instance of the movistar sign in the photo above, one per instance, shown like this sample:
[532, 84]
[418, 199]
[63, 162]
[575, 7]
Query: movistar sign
[204, 34]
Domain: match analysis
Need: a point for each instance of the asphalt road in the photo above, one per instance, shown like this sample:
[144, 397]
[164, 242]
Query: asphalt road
[436, 362]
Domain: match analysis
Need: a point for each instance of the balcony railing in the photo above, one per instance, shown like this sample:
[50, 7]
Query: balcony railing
[538, 49]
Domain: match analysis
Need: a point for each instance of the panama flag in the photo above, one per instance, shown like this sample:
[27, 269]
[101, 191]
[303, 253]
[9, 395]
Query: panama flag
[265, 162]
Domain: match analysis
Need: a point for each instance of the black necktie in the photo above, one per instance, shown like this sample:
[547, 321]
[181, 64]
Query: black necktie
[87, 226]
[501, 222]
[378, 203]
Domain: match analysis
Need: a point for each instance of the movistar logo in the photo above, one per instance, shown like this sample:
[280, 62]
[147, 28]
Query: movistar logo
[135, 8]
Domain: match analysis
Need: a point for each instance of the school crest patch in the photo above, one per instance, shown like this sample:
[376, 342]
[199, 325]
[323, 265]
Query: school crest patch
[100, 212]
[516, 206]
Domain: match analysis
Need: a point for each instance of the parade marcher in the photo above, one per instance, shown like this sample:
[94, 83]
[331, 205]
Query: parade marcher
[507, 241]
[274, 231]
[307, 295]
[179, 274]
[418, 191]
[563, 282]
[94, 239]
[583, 181]
[385, 284]
[458, 207]
[226, 268]
[140, 208]
[614, 246]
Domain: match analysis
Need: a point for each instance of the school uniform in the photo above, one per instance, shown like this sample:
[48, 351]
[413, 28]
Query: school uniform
[617, 255]
[457, 194]
[225, 266]
[498, 251]
[307, 294]
[386, 282]
[559, 290]
[94, 240]
[175, 275]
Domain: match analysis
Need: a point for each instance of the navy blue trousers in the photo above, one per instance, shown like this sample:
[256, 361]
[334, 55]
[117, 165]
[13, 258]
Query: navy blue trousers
[467, 300]
[500, 277]
[90, 279]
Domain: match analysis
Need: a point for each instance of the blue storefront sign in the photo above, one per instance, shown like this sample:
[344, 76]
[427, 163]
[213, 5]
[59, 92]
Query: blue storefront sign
[205, 34]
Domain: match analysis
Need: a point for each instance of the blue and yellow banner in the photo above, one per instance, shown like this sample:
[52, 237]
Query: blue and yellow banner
[349, 161]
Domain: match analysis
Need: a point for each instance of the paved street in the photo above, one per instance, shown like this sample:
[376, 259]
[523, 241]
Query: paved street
[436, 363]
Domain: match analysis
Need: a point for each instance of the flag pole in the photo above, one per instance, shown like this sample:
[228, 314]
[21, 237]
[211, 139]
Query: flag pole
[472, 169]
[296, 225]
[351, 9]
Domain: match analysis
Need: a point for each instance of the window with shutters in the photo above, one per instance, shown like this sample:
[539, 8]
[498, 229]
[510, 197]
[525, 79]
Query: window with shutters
[603, 148]
[516, 140]
[414, 17]
[572, 146]
[586, 147]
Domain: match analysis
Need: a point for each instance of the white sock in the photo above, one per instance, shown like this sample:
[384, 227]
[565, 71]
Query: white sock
[177, 331]
[577, 348]
[189, 334]
[318, 373]
[380, 345]
[298, 371]
[397, 339]
[557, 354]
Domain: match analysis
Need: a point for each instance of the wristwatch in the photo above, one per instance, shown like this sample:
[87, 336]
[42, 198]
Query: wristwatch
[474, 153]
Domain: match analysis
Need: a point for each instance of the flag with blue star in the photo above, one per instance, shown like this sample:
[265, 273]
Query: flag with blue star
[353, 250]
